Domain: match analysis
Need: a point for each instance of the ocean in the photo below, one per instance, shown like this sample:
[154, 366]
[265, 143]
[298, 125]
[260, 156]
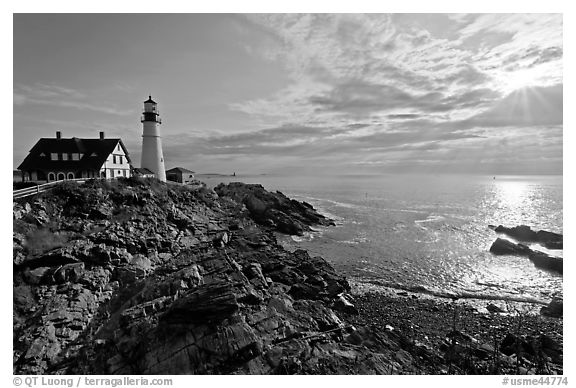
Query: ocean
[427, 233]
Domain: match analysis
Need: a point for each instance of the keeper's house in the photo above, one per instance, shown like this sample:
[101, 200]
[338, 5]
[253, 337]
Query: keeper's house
[55, 159]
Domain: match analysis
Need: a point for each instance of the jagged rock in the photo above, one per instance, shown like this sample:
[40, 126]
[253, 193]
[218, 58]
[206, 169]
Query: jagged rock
[524, 233]
[132, 314]
[521, 232]
[554, 309]
[181, 220]
[18, 257]
[23, 297]
[37, 275]
[207, 303]
[162, 286]
[512, 344]
[542, 260]
[493, 308]
[221, 240]
[273, 209]
[551, 348]
[69, 273]
[102, 212]
[343, 304]
[506, 247]
[550, 240]
[188, 242]
[253, 272]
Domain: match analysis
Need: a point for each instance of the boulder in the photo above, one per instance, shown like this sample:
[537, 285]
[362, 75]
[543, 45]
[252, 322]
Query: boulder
[493, 308]
[544, 261]
[37, 275]
[69, 273]
[344, 304]
[524, 233]
[554, 309]
[506, 247]
[550, 240]
[520, 233]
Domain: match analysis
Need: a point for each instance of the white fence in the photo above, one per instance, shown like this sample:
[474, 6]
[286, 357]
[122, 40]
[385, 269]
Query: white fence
[41, 188]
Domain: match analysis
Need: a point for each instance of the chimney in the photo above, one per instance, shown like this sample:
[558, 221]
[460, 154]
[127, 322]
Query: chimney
[58, 135]
[101, 135]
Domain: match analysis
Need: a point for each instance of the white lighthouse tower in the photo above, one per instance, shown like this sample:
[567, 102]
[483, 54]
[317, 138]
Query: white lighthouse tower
[152, 156]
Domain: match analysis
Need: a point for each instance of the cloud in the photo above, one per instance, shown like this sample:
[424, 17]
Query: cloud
[407, 91]
[353, 65]
[526, 107]
[59, 96]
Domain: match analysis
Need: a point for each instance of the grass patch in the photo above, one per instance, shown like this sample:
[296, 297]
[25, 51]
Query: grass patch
[41, 240]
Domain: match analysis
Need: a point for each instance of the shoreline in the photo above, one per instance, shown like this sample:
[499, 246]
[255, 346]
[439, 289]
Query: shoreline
[147, 278]
[429, 323]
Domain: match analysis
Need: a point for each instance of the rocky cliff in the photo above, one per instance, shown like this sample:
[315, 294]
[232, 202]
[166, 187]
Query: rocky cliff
[136, 277]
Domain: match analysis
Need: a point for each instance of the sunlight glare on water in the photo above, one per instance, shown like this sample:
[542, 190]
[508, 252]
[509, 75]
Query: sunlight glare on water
[430, 231]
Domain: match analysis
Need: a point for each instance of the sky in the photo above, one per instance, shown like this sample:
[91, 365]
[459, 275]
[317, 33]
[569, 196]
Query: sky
[297, 93]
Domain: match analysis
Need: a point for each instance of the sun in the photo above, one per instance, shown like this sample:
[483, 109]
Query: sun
[520, 79]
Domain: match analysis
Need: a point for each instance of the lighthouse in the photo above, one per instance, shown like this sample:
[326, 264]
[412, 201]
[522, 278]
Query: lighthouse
[152, 156]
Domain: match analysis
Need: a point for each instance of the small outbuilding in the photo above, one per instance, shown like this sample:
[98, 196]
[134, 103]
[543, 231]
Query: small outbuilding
[143, 172]
[180, 175]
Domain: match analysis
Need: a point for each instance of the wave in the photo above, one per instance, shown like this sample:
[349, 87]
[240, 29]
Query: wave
[430, 218]
[354, 241]
[307, 236]
[348, 205]
[337, 203]
[419, 289]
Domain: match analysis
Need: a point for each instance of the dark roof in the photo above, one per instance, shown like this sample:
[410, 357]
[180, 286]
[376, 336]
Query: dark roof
[142, 171]
[179, 169]
[101, 147]
[150, 100]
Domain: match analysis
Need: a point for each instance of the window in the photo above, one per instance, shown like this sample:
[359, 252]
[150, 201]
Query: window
[75, 157]
[114, 159]
[70, 175]
[51, 177]
[42, 154]
[53, 156]
[61, 176]
[64, 156]
[120, 159]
